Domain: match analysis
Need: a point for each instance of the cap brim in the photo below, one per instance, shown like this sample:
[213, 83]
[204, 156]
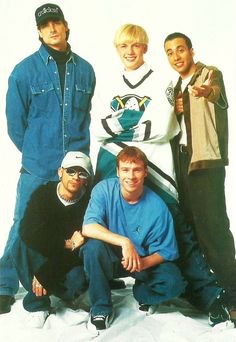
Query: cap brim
[45, 20]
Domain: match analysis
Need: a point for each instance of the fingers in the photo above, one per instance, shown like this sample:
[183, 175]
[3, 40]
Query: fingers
[131, 264]
[77, 239]
[179, 95]
[209, 78]
[39, 291]
[204, 89]
[179, 107]
[37, 288]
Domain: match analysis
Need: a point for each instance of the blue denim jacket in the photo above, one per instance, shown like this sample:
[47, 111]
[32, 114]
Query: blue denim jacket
[43, 125]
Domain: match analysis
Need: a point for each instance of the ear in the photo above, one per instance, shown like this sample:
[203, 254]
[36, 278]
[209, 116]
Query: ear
[145, 48]
[40, 34]
[59, 172]
[66, 26]
[146, 172]
[192, 52]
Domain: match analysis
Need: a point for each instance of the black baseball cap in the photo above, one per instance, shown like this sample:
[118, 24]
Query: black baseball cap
[48, 11]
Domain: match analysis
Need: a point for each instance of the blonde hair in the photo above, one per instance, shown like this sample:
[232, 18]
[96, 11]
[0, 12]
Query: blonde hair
[129, 33]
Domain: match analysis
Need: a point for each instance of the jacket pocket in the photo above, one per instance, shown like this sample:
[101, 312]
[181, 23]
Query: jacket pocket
[43, 97]
[82, 98]
[41, 89]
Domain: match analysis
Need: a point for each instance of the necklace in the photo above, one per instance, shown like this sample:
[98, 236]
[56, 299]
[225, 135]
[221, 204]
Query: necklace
[68, 201]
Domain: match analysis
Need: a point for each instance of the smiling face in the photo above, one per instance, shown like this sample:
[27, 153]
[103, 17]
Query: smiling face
[131, 54]
[54, 33]
[131, 173]
[180, 56]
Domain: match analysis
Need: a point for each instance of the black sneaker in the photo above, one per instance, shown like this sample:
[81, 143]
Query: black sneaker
[144, 307]
[218, 311]
[147, 309]
[100, 322]
[6, 303]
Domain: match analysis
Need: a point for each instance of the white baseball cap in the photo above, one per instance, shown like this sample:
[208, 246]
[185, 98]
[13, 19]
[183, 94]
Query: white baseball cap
[74, 158]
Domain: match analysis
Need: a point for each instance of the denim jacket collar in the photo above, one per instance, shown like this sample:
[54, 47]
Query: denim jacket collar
[46, 56]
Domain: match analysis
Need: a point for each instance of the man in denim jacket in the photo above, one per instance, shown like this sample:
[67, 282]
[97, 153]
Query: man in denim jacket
[48, 114]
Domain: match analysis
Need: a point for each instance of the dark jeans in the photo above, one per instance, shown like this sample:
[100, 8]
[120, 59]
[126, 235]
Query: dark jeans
[153, 286]
[202, 199]
[27, 262]
[202, 288]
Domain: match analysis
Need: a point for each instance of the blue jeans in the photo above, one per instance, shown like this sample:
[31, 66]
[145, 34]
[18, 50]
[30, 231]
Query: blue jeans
[28, 261]
[153, 286]
[9, 281]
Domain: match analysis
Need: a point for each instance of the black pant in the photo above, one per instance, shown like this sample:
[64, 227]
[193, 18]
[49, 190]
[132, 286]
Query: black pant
[202, 199]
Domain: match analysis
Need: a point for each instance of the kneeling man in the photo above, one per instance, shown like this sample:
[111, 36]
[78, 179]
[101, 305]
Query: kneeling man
[46, 254]
[132, 235]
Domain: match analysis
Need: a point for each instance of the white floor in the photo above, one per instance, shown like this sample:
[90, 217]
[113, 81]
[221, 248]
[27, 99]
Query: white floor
[174, 322]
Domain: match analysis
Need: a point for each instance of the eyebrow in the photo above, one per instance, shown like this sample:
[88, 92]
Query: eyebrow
[177, 47]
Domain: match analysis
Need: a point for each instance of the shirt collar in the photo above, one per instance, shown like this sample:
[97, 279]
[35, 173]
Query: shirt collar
[46, 56]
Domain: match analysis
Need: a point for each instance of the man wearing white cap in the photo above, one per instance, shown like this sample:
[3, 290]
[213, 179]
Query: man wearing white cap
[46, 255]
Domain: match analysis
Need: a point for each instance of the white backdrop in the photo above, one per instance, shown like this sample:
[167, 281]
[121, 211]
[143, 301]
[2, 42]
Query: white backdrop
[210, 24]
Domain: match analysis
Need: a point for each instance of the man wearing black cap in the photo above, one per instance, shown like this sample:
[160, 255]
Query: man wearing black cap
[48, 114]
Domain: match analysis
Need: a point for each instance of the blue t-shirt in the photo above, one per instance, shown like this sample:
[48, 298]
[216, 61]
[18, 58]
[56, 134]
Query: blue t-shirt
[147, 223]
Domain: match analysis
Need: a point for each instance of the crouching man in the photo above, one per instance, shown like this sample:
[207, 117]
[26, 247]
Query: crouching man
[46, 254]
[132, 235]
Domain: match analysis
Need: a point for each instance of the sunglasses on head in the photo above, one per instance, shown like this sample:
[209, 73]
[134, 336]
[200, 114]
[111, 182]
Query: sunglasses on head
[71, 172]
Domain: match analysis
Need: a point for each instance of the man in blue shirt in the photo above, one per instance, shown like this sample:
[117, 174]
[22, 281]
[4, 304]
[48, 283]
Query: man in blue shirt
[133, 235]
[48, 114]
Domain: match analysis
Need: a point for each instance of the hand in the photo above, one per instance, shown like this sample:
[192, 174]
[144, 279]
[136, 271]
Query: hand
[179, 106]
[204, 90]
[77, 239]
[37, 288]
[131, 259]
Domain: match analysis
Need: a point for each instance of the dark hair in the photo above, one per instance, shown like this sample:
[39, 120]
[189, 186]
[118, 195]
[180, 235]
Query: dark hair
[132, 154]
[179, 35]
[45, 22]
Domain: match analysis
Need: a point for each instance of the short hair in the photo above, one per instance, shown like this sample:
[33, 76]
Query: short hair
[131, 154]
[179, 35]
[128, 33]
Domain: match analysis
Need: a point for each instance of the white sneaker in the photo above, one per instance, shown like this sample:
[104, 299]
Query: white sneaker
[36, 319]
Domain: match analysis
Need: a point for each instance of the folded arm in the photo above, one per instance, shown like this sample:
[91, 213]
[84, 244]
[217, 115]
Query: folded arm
[131, 259]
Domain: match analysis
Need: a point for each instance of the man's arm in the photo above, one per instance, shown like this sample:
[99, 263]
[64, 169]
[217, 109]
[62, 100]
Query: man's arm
[150, 261]
[212, 89]
[16, 111]
[131, 259]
